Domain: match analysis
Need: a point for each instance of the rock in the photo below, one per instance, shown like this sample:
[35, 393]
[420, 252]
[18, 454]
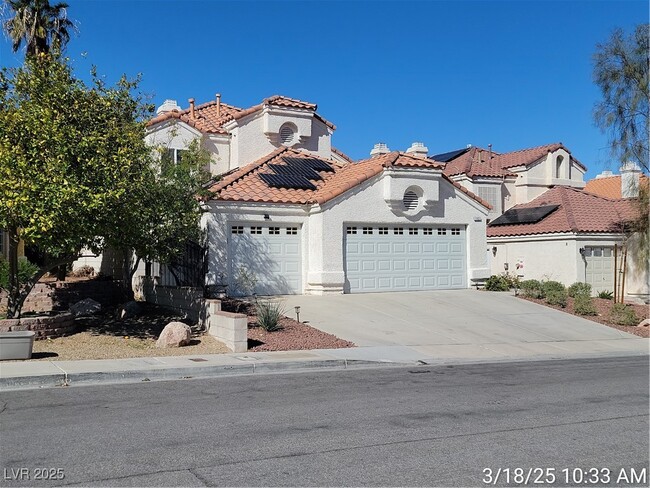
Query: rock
[644, 323]
[175, 334]
[128, 310]
[85, 307]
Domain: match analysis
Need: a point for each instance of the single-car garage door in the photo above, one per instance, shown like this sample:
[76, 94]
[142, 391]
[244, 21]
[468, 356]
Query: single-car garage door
[264, 259]
[599, 268]
[404, 258]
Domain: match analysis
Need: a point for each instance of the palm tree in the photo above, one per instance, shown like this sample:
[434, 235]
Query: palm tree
[39, 25]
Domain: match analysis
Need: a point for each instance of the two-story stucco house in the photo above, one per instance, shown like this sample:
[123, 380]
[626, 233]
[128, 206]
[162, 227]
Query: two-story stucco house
[291, 214]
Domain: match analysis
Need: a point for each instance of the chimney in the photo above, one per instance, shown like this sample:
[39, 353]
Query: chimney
[418, 149]
[191, 100]
[218, 104]
[490, 152]
[630, 175]
[479, 153]
[380, 148]
[168, 106]
[605, 174]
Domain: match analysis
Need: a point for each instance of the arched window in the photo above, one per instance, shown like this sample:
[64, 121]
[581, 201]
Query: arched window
[559, 161]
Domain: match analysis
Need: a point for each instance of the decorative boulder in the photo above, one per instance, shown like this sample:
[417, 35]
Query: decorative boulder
[175, 334]
[87, 306]
[644, 323]
[128, 310]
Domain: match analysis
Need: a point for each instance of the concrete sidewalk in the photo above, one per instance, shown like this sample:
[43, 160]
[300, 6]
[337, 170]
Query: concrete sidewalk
[45, 374]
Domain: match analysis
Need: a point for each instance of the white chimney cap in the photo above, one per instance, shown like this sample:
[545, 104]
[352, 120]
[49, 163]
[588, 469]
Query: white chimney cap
[418, 148]
[605, 174]
[380, 148]
[629, 166]
[168, 106]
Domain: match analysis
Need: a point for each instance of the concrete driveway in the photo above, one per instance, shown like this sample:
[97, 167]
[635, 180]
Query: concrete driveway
[453, 324]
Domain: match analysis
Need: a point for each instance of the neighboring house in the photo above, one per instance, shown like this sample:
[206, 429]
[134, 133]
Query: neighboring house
[567, 235]
[508, 179]
[625, 185]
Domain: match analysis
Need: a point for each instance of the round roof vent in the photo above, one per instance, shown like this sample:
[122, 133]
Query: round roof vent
[411, 200]
[287, 134]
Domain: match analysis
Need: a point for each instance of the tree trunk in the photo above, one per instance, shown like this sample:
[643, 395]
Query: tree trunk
[13, 294]
[127, 274]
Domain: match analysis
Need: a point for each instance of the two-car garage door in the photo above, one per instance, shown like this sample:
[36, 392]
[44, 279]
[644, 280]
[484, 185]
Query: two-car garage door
[404, 258]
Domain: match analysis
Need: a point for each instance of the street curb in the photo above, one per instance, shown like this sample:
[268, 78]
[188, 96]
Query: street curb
[164, 374]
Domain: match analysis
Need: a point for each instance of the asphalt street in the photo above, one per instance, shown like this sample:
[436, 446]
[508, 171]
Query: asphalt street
[406, 426]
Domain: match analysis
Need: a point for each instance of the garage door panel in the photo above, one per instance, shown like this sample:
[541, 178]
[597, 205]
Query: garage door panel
[386, 258]
[271, 256]
[599, 268]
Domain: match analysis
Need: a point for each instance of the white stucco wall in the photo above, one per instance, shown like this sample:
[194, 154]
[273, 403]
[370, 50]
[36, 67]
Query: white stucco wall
[374, 201]
[257, 135]
[557, 257]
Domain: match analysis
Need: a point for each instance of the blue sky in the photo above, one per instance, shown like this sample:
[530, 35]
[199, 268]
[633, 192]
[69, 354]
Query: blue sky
[515, 74]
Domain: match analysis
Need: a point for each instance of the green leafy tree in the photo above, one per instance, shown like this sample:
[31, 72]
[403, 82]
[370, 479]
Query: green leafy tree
[39, 25]
[621, 73]
[162, 210]
[69, 154]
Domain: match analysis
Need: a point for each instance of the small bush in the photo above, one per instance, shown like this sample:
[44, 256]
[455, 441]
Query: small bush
[584, 305]
[621, 314]
[531, 289]
[549, 287]
[607, 295]
[497, 283]
[25, 271]
[556, 297]
[579, 289]
[269, 315]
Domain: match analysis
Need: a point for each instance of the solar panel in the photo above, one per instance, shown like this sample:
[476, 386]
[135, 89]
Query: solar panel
[523, 215]
[288, 181]
[448, 156]
[312, 163]
[307, 172]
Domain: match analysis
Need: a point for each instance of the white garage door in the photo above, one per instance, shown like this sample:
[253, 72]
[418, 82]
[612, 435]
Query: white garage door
[264, 259]
[599, 271]
[403, 258]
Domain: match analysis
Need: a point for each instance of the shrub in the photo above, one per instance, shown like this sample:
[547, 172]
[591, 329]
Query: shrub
[497, 283]
[269, 314]
[552, 286]
[621, 314]
[579, 289]
[531, 289]
[556, 297]
[607, 295]
[25, 271]
[584, 305]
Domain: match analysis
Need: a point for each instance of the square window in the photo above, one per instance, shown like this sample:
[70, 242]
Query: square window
[256, 230]
[383, 231]
[398, 231]
[351, 230]
[367, 230]
[442, 231]
[274, 230]
[455, 232]
[413, 231]
[292, 231]
[427, 231]
[237, 229]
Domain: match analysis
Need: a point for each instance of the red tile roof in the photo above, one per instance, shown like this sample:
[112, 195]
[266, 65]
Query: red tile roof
[610, 186]
[578, 212]
[208, 119]
[468, 162]
[245, 184]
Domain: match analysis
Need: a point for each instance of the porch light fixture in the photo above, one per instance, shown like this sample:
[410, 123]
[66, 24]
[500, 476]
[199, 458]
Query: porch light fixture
[582, 251]
[267, 217]
[494, 250]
